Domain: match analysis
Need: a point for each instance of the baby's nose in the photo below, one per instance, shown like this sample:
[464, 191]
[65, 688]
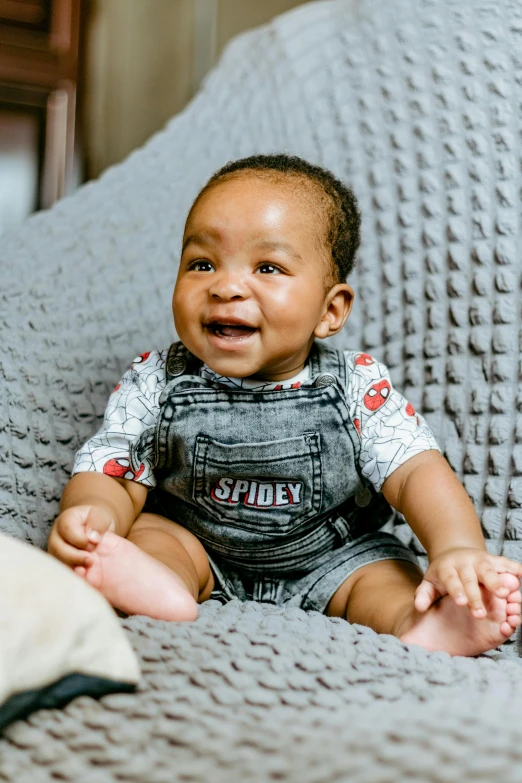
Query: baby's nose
[227, 286]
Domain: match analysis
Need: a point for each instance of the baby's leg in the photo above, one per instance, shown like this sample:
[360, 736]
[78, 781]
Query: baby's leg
[381, 595]
[160, 570]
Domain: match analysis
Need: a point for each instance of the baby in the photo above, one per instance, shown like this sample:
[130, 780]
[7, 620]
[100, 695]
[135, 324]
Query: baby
[251, 461]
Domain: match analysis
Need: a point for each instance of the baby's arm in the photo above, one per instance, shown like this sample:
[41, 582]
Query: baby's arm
[92, 504]
[437, 508]
[97, 498]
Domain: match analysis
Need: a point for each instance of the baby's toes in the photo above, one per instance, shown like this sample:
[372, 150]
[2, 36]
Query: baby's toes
[513, 616]
[93, 571]
[510, 581]
[514, 608]
[507, 629]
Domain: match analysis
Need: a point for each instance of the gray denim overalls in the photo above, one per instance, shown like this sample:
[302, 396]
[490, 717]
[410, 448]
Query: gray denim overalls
[269, 482]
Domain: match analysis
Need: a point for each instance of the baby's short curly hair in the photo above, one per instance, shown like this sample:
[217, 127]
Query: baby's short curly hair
[338, 201]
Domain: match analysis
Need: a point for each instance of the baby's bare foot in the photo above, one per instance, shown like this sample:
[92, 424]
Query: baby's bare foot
[135, 582]
[453, 629]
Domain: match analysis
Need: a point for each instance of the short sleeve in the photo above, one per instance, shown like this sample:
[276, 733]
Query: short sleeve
[390, 430]
[132, 408]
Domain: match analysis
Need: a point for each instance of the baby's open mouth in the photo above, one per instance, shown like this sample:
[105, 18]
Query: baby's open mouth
[231, 331]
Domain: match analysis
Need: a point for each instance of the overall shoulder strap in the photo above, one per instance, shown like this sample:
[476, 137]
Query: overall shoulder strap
[323, 359]
[180, 362]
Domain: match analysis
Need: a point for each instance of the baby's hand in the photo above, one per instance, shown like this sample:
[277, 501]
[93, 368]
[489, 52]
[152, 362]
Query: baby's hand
[76, 532]
[459, 572]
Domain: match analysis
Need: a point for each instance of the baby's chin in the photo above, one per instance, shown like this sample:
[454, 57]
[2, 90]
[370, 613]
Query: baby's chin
[244, 364]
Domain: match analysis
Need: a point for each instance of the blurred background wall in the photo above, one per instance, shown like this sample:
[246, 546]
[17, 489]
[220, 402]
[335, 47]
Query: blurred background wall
[84, 82]
[145, 60]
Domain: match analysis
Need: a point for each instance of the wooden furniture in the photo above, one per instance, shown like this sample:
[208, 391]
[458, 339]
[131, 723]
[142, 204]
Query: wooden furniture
[39, 43]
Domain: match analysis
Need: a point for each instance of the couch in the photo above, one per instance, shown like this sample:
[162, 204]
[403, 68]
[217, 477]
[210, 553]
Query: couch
[417, 104]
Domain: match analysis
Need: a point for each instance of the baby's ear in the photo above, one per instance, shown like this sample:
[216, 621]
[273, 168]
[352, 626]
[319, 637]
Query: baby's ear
[337, 306]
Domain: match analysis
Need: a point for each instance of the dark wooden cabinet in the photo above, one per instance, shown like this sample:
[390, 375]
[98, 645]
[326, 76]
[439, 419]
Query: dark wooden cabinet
[39, 54]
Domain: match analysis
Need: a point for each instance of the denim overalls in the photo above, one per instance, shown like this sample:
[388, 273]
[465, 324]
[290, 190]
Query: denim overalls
[269, 481]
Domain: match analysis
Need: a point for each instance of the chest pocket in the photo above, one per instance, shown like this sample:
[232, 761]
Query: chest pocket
[271, 487]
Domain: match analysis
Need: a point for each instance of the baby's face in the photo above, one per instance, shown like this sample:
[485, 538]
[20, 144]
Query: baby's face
[250, 294]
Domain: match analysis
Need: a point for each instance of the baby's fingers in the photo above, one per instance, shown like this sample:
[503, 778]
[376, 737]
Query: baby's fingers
[71, 528]
[473, 595]
[97, 523]
[504, 565]
[425, 595]
[490, 578]
[65, 552]
[463, 588]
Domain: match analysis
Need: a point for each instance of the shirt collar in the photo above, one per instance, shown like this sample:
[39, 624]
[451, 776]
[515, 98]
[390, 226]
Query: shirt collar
[253, 384]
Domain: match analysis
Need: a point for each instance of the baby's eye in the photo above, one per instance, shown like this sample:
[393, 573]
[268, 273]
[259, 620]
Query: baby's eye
[200, 265]
[268, 269]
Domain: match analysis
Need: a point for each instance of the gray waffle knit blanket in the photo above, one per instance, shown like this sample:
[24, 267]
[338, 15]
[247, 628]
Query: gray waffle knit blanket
[418, 106]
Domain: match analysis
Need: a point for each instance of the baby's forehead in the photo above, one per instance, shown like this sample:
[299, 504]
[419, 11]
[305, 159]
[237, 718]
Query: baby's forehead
[306, 214]
[299, 192]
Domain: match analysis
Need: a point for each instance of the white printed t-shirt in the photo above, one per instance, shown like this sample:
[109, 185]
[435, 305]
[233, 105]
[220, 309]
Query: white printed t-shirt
[390, 430]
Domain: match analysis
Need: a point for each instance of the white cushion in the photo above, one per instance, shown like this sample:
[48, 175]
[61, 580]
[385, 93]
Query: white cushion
[52, 625]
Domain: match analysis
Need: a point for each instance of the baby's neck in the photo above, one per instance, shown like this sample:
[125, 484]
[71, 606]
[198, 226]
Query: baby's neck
[255, 383]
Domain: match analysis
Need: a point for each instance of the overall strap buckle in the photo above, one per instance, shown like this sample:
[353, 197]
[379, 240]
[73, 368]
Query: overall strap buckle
[180, 362]
[327, 364]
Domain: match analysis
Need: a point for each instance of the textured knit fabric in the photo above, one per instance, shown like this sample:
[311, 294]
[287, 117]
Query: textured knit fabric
[417, 105]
